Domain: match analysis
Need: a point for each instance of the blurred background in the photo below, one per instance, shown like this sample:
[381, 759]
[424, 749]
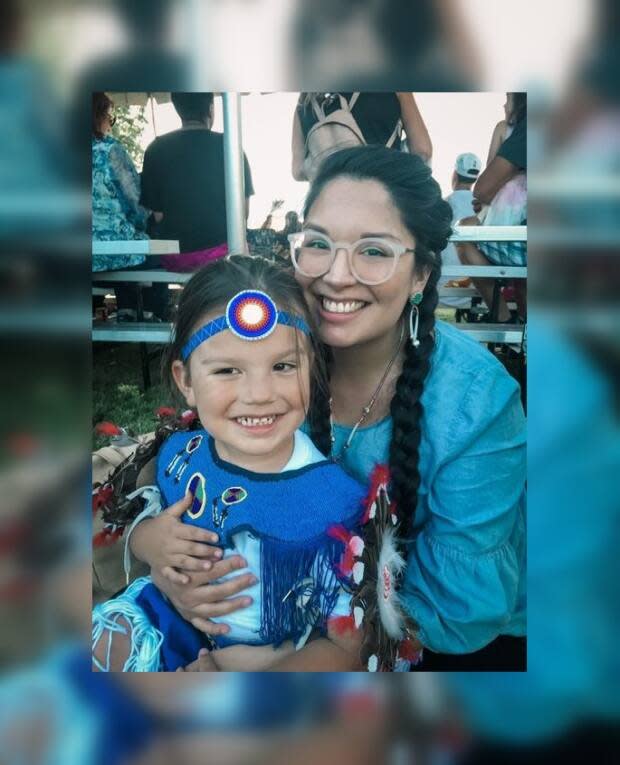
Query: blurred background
[566, 54]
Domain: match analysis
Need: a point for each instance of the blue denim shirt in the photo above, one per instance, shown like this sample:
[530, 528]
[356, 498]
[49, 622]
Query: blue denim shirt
[465, 579]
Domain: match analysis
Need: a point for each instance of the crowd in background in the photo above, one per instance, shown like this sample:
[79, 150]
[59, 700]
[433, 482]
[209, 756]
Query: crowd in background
[180, 194]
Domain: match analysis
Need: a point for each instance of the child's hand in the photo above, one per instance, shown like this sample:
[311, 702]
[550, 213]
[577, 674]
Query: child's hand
[167, 544]
[204, 663]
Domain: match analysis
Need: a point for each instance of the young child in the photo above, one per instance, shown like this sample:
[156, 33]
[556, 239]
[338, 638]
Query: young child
[243, 355]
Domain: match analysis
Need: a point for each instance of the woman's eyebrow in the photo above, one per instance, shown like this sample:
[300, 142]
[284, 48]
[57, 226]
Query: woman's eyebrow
[315, 227]
[378, 235]
[365, 235]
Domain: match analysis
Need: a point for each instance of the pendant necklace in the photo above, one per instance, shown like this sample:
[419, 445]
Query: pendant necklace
[367, 409]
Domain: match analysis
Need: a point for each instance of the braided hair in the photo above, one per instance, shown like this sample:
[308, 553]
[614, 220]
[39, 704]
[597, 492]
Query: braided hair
[428, 217]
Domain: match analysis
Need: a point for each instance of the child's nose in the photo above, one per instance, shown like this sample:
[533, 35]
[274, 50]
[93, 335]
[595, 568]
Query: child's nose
[258, 388]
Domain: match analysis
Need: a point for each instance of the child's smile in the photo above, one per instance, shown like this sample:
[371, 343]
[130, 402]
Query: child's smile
[251, 396]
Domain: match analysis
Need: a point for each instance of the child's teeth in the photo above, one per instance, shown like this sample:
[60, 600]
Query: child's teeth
[254, 421]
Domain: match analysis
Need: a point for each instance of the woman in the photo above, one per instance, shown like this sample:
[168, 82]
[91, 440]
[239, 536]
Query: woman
[380, 117]
[416, 394]
[117, 214]
[502, 187]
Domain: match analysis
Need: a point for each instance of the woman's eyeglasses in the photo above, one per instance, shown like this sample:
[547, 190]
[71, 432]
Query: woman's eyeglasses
[372, 260]
[111, 119]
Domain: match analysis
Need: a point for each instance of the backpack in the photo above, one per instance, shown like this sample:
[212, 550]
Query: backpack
[333, 132]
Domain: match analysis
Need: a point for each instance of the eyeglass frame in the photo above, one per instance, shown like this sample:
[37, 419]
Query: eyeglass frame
[398, 247]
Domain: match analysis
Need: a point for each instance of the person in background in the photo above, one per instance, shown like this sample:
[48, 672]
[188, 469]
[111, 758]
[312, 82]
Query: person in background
[117, 214]
[466, 171]
[503, 188]
[116, 211]
[183, 178]
[291, 223]
[377, 115]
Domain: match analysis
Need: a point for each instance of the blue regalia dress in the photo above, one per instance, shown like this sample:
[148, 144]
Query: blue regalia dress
[289, 513]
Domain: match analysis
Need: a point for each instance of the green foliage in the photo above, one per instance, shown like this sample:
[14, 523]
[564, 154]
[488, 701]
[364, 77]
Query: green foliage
[128, 129]
[117, 391]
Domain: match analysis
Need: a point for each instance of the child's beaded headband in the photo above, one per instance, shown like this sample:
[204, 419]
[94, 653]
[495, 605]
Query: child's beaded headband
[251, 315]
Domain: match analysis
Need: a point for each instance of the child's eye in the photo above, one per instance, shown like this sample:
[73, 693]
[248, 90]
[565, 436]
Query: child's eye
[225, 371]
[284, 366]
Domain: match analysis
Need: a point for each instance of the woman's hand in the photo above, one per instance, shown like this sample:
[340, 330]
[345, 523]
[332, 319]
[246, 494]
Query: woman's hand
[199, 600]
[204, 663]
[167, 544]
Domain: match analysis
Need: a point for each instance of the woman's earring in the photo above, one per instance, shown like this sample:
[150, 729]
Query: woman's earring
[414, 301]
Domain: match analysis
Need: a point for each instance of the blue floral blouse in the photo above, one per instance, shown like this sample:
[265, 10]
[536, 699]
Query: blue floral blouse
[117, 214]
[465, 582]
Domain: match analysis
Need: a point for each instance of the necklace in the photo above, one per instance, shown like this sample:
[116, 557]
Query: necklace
[367, 409]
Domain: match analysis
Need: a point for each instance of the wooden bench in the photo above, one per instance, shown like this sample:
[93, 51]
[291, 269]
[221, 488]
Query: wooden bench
[137, 332]
[148, 248]
[136, 247]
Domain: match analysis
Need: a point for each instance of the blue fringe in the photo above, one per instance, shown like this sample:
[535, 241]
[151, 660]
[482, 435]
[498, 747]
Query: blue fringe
[146, 640]
[286, 571]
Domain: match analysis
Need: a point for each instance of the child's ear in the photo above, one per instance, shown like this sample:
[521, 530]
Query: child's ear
[182, 379]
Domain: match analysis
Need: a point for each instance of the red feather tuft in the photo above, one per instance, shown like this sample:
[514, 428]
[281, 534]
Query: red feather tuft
[102, 496]
[107, 537]
[188, 417]
[345, 567]
[340, 533]
[341, 625]
[107, 429]
[407, 650]
[380, 475]
[165, 411]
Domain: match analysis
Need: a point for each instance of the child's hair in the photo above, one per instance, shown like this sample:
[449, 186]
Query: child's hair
[211, 288]
[427, 216]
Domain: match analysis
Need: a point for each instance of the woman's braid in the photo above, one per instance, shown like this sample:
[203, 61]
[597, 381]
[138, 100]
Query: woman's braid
[406, 410]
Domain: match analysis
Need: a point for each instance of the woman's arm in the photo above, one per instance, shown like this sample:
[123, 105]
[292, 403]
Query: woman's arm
[249, 658]
[418, 139]
[499, 133]
[298, 149]
[335, 653]
[321, 655]
[465, 568]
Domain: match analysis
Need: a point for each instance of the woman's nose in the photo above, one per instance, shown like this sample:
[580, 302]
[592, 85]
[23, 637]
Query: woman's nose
[340, 273]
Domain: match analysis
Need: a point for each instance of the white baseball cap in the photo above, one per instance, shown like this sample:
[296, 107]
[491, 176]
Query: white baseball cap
[468, 165]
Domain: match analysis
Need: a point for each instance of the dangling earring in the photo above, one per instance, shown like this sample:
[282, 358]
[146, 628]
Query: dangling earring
[414, 302]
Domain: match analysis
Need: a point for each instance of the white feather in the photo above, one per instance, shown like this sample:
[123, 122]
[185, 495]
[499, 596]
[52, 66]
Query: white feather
[389, 566]
[357, 546]
[373, 663]
[358, 572]
[358, 615]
